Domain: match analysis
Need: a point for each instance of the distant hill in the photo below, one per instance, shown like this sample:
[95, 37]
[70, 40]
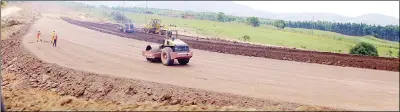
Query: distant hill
[375, 19]
[232, 8]
[228, 7]
[310, 16]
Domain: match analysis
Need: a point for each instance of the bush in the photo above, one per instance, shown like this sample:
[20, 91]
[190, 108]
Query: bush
[364, 48]
[338, 38]
[3, 4]
[246, 37]
[390, 53]
[398, 54]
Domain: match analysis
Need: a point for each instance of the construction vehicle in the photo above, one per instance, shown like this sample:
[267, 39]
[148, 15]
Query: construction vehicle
[154, 27]
[127, 27]
[172, 48]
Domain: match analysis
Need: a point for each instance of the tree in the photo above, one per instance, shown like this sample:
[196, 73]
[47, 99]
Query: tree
[3, 4]
[182, 16]
[118, 16]
[279, 24]
[220, 16]
[364, 48]
[253, 21]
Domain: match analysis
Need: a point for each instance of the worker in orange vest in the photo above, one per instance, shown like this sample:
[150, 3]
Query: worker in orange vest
[38, 37]
[53, 34]
[55, 40]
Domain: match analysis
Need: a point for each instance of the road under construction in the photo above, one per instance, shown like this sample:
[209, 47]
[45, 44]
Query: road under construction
[236, 72]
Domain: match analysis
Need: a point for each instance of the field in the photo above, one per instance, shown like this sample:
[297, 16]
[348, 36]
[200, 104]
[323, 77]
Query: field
[289, 37]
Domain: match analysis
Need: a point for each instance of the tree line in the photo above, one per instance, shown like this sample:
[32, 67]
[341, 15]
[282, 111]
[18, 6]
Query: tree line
[388, 32]
[211, 16]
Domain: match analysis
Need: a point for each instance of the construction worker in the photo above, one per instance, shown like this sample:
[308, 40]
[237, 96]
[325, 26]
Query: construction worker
[55, 41]
[2, 101]
[38, 37]
[53, 34]
[169, 34]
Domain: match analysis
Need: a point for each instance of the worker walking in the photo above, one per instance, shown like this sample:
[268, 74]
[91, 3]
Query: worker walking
[53, 34]
[55, 41]
[38, 37]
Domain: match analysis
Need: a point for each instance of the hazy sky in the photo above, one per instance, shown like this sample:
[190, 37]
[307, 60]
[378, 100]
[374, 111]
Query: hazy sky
[347, 8]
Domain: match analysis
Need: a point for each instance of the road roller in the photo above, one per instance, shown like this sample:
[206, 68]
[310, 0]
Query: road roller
[127, 27]
[172, 49]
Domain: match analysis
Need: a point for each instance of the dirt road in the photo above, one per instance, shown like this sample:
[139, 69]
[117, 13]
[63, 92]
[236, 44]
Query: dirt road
[88, 50]
[245, 49]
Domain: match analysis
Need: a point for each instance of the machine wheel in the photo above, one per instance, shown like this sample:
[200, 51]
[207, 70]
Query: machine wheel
[166, 56]
[183, 61]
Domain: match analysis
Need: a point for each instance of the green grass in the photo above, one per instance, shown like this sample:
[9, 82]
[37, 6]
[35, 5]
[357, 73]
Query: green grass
[290, 37]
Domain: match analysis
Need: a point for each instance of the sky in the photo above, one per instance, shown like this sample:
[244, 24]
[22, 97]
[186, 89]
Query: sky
[347, 8]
